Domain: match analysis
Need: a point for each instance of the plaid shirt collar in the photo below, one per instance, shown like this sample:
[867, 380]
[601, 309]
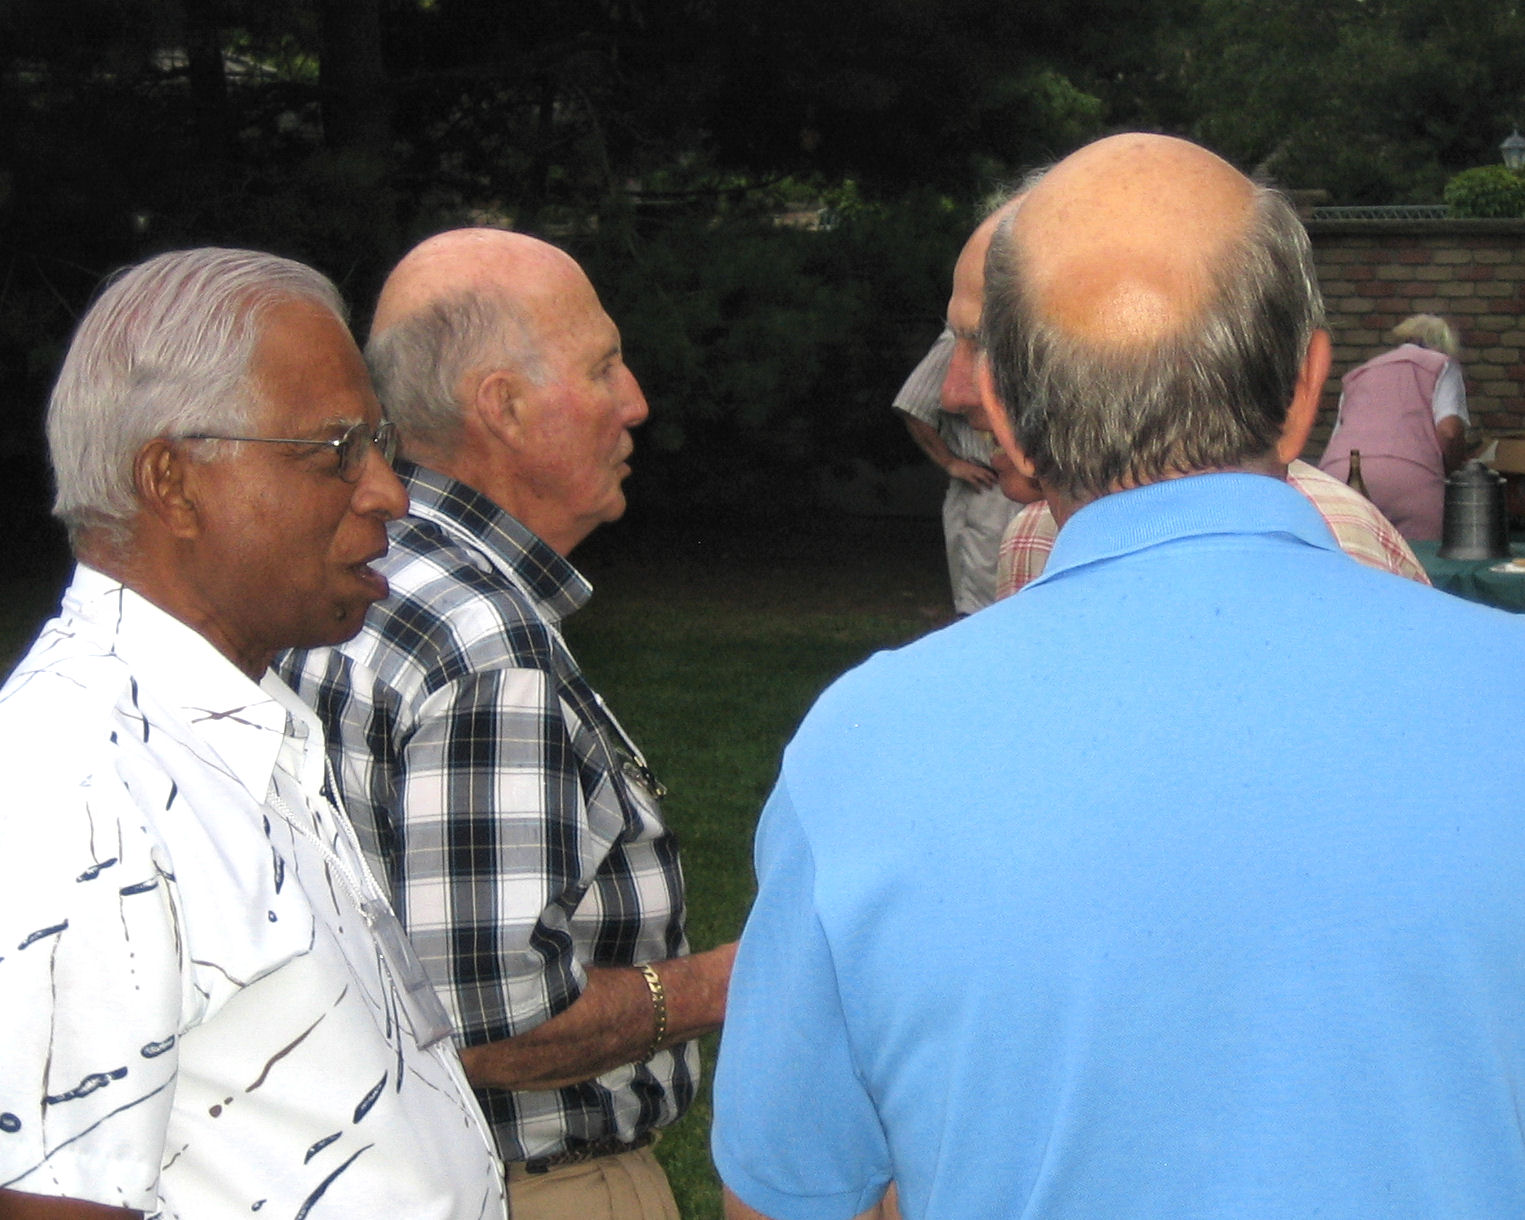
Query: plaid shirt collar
[473, 520]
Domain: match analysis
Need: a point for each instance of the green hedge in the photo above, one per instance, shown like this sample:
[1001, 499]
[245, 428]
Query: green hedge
[767, 351]
[1486, 192]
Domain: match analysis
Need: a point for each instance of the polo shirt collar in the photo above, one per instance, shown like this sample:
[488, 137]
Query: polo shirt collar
[1195, 506]
[557, 588]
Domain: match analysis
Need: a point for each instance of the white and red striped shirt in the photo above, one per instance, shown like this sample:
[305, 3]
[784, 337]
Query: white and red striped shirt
[1361, 530]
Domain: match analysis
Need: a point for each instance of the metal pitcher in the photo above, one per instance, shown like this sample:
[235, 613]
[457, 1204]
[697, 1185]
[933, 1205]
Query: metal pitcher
[1476, 521]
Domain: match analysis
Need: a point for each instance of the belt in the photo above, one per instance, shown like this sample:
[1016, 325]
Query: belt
[591, 1150]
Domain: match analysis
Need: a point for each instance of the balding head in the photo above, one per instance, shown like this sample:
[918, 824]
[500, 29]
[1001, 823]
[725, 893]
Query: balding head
[1148, 312]
[493, 263]
[1124, 236]
[960, 392]
[460, 303]
[492, 354]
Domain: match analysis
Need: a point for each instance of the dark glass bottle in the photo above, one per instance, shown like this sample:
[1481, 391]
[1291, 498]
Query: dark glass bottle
[1354, 478]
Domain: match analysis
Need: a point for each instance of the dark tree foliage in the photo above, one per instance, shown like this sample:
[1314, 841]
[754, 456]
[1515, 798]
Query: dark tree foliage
[1376, 101]
[578, 96]
[770, 354]
[896, 93]
[663, 140]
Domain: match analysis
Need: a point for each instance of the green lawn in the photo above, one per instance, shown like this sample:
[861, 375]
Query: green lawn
[710, 657]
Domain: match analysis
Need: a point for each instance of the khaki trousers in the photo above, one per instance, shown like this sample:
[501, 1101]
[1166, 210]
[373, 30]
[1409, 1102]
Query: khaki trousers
[630, 1186]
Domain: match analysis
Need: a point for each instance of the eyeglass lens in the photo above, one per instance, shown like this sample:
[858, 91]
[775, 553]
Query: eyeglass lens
[357, 442]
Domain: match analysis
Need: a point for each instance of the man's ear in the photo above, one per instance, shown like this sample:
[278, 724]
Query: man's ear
[1000, 422]
[1305, 398]
[498, 403]
[166, 487]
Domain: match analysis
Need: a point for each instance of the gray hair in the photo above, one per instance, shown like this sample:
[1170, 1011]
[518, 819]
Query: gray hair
[1427, 330]
[418, 363]
[1009, 190]
[165, 350]
[1092, 419]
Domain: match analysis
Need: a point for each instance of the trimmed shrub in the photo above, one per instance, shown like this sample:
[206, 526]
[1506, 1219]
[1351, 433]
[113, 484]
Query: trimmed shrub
[769, 352]
[1487, 192]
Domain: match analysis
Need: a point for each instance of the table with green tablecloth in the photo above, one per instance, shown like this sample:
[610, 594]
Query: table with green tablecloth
[1476, 579]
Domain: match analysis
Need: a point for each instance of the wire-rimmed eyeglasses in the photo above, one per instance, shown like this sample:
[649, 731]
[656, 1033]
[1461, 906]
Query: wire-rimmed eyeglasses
[350, 448]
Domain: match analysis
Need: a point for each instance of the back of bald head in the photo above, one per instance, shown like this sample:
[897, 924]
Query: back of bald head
[458, 303]
[1147, 311]
[1123, 237]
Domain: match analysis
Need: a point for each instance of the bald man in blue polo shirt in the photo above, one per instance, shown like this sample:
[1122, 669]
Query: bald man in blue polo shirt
[1188, 881]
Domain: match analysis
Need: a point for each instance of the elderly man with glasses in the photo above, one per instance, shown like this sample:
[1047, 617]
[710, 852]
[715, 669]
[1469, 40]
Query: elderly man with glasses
[211, 1009]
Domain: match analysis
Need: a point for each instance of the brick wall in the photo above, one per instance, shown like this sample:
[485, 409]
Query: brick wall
[1375, 273]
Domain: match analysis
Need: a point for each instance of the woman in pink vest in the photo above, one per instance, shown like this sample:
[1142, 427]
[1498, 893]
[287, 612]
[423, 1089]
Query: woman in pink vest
[1406, 413]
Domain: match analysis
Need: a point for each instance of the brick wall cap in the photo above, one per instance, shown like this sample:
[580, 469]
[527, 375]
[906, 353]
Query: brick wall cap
[1401, 227]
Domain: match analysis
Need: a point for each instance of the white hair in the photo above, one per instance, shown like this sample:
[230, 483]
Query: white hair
[418, 363]
[1429, 331]
[164, 351]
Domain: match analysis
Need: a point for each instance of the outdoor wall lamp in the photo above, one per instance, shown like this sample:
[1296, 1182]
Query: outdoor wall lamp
[1513, 149]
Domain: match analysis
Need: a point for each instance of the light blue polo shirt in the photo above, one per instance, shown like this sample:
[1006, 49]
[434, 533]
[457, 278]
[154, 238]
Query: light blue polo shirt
[1188, 882]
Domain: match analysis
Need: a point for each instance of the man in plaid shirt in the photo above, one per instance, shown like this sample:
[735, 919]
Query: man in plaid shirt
[517, 822]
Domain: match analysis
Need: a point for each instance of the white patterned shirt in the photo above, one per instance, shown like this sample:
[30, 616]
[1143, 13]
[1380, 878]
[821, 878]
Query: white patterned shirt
[200, 1021]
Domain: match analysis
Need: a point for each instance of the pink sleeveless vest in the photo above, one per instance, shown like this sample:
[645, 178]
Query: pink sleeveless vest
[1386, 414]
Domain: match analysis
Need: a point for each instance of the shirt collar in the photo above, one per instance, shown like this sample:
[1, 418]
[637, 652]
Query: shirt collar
[475, 521]
[1194, 506]
[241, 722]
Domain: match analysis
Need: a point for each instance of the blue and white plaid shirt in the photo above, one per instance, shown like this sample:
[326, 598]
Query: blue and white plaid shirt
[515, 820]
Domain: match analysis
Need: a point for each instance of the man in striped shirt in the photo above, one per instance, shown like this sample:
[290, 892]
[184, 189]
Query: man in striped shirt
[1356, 523]
[975, 514]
